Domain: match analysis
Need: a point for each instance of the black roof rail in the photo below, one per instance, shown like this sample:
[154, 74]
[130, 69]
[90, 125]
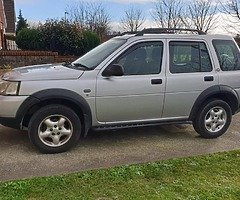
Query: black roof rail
[168, 31]
[129, 33]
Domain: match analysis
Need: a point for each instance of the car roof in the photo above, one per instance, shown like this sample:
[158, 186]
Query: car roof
[171, 33]
[176, 36]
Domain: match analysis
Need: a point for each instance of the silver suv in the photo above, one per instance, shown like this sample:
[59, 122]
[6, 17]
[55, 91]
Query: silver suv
[147, 78]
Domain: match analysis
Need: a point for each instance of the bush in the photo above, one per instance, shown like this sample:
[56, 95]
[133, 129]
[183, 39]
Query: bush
[58, 36]
[61, 37]
[29, 39]
[90, 40]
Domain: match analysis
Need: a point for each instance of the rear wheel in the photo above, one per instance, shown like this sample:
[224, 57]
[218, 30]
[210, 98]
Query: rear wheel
[54, 129]
[214, 119]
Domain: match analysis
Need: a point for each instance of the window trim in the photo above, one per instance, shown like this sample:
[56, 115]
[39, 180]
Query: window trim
[198, 42]
[134, 47]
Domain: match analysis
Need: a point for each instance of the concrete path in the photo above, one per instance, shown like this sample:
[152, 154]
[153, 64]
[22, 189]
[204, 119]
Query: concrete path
[19, 159]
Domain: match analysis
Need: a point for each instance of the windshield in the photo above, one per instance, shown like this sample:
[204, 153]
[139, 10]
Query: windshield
[94, 57]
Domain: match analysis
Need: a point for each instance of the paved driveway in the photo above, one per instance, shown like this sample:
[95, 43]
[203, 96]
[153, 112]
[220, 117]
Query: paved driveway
[19, 159]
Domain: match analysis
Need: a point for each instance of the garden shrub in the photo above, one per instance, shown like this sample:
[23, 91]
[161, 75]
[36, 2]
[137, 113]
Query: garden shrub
[30, 39]
[58, 36]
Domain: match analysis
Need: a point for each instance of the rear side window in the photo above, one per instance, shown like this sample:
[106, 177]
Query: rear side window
[228, 55]
[189, 57]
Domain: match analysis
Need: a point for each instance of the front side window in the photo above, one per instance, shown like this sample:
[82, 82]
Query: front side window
[142, 59]
[189, 57]
[228, 55]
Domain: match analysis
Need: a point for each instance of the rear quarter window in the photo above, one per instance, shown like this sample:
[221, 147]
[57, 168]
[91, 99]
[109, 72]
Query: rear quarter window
[228, 55]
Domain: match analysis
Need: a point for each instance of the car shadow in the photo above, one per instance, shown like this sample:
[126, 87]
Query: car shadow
[163, 132]
[10, 137]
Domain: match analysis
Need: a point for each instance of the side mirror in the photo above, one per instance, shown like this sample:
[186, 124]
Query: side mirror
[113, 70]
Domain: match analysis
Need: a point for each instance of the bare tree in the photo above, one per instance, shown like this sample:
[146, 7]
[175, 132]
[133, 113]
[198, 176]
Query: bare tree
[133, 19]
[90, 16]
[77, 14]
[232, 7]
[232, 10]
[98, 19]
[168, 13]
[201, 15]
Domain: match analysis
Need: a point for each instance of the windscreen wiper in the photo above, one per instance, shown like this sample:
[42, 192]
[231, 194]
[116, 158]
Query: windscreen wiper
[79, 65]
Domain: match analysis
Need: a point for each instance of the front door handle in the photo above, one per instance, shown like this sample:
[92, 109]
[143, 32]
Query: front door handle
[156, 81]
[208, 78]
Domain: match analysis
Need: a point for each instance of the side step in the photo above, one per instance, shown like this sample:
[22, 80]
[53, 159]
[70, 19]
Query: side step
[137, 125]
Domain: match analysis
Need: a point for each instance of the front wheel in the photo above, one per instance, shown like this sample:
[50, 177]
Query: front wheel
[214, 119]
[54, 129]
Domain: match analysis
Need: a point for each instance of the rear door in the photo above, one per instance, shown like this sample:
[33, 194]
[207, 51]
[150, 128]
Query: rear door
[190, 72]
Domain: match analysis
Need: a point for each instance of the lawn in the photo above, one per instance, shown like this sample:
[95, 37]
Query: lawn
[214, 176]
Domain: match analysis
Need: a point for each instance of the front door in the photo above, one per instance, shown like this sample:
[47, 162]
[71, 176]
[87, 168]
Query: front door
[139, 94]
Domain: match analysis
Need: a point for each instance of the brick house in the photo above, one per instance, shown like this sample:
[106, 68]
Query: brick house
[7, 21]
[3, 24]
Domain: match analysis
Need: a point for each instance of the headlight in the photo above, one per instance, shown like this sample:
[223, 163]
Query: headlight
[9, 88]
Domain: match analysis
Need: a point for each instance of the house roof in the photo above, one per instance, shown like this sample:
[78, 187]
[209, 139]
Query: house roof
[9, 8]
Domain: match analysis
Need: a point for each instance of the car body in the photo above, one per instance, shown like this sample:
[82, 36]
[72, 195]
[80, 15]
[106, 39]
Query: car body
[110, 87]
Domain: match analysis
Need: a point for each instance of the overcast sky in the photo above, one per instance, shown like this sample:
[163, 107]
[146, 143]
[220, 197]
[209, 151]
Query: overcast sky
[40, 10]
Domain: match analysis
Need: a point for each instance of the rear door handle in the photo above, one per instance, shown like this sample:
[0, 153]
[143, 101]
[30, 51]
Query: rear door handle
[156, 81]
[208, 78]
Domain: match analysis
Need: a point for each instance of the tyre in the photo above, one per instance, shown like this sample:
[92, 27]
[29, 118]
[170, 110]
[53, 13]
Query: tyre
[54, 129]
[213, 119]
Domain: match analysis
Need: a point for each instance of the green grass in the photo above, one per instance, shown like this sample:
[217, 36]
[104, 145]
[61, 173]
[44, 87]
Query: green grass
[208, 177]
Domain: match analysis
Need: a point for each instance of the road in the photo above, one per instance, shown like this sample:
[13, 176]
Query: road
[19, 159]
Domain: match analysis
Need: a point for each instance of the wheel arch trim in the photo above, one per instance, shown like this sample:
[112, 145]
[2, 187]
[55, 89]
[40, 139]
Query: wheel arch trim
[216, 91]
[56, 94]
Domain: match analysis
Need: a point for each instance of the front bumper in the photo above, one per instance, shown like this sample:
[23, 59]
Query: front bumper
[237, 111]
[9, 105]
[10, 122]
